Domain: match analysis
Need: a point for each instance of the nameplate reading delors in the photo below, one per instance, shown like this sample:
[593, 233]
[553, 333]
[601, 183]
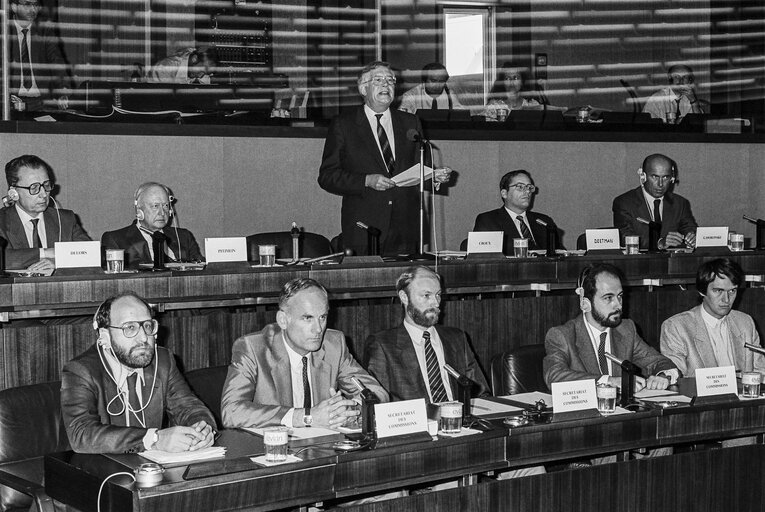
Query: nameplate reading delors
[601, 239]
[575, 395]
[712, 237]
[716, 381]
[218, 250]
[399, 418]
[484, 241]
[77, 254]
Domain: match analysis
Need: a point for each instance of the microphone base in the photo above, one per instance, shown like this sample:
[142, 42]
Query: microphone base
[421, 257]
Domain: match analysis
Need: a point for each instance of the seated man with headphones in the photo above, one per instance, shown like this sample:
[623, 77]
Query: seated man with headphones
[654, 201]
[29, 241]
[116, 395]
[153, 204]
[576, 350]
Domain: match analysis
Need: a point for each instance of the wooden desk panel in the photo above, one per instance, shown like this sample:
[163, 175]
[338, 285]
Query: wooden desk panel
[712, 422]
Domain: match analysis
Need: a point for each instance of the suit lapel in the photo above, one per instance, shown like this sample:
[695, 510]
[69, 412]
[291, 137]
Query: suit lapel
[17, 236]
[280, 359]
[584, 347]
[642, 205]
[321, 373]
[451, 357]
[508, 224]
[619, 349]
[138, 244]
[50, 218]
[369, 139]
[703, 342]
[410, 363]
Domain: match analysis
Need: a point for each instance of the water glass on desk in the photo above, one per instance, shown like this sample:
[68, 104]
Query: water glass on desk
[451, 417]
[750, 384]
[736, 242]
[521, 247]
[275, 441]
[633, 244]
[267, 255]
[606, 398]
[115, 261]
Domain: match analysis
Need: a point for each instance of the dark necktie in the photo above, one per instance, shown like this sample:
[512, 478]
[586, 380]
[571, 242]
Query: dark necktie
[135, 404]
[437, 390]
[306, 385]
[677, 110]
[390, 162]
[526, 232]
[602, 354]
[36, 242]
[26, 64]
[434, 105]
[656, 211]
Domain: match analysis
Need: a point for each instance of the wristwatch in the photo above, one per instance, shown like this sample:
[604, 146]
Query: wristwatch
[307, 418]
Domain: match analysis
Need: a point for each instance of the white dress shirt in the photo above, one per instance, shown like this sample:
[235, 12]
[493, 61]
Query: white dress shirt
[514, 217]
[719, 335]
[296, 376]
[26, 222]
[386, 123]
[33, 90]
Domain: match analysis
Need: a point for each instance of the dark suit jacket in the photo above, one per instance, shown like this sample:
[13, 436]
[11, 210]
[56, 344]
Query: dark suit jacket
[350, 154]
[500, 220]
[137, 249]
[48, 62]
[676, 215]
[391, 359]
[258, 387]
[570, 355]
[86, 389]
[18, 253]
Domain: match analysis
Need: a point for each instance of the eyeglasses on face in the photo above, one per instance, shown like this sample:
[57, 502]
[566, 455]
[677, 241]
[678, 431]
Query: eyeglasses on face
[34, 188]
[382, 80]
[130, 329]
[155, 207]
[523, 187]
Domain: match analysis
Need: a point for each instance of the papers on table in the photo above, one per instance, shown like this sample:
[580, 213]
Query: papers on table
[531, 398]
[263, 462]
[482, 407]
[300, 433]
[464, 432]
[661, 395]
[411, 176]
[165, 458]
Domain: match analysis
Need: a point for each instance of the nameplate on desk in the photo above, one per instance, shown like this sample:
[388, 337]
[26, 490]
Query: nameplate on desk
[400, 418]
[575, 395]
[77, 254]
[712, 236]
[483, 242]
[602, 239]
[225, 249]
[716, 381]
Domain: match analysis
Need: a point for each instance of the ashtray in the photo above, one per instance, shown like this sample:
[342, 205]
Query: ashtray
[516, 421]
[346, 445]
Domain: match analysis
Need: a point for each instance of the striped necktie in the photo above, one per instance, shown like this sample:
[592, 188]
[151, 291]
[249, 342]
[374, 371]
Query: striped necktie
[526, 232]
[437, 390]
[390, 161]
[602, 354]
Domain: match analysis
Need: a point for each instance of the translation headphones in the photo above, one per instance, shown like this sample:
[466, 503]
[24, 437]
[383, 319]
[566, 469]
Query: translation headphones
[584, 303]
[13, 194]
[102, 342]
[672, 170]
[140, 190]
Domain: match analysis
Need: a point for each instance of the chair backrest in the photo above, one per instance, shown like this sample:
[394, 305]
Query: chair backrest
[518, 371]
[207, 384]
[311, 245]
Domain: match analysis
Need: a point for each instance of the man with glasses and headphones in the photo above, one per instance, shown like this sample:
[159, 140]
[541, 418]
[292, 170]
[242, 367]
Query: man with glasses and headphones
[655, 201]
[678, 99]
[30, 241]
[116, 395]
[517, 190]
[153, 204]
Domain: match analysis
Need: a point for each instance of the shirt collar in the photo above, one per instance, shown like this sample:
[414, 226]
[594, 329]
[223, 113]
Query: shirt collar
[415, 331]
[371, 114]
[648, 197]
[296, 360]
[24, 216]
[515, 215]
[711, 321]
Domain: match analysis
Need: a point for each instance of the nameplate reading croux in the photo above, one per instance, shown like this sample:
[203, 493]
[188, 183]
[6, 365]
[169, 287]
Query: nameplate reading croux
[601, 239]
[716, 381]
[225, 249]
[77, 254]
[575, 395]
[399, 418]
[484, 241]
[712, 236]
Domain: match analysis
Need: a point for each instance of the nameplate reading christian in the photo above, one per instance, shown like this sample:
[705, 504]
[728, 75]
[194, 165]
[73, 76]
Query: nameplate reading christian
[484, 241]
[399, 418]
[77, 254]
[602, 239]
[711, 237]
[576, 395]
[716, 381]
[225, 249]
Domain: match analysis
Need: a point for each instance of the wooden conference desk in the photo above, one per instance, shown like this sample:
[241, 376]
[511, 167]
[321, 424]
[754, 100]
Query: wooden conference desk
[501, 304]
[325, 474]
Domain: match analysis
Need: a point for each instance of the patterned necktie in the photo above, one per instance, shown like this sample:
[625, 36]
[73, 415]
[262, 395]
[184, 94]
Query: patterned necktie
[26, 64]
[526, 232]
[602, 354]
[437, 390]
[36, 242]
[434, 104]
[390, 162]
[656, 211]
[306, 385]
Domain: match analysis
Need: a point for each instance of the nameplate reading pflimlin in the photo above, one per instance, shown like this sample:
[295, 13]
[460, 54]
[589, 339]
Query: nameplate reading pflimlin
[712, 236]
[77, 254]
[484, 241]
[575, 395]
[601, 239]
[224, 249]
[716, 381]
[399, 418]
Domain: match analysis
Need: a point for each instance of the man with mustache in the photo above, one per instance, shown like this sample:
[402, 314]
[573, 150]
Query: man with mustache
[125, 394]
[575, 349]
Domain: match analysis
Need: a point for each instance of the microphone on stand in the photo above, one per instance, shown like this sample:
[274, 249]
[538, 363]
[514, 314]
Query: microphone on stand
[755, 348]
[373, 238]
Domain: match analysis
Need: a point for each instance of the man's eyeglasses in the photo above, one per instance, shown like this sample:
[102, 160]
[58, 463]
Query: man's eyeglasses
[28, 4]
[383, 80]
[155, 207]
[523, 187]
[130, 329]
[659, 179]
[34, 188]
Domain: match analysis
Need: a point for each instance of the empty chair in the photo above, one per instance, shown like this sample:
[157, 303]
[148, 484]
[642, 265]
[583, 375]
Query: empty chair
[518, 371]
[311, 245]
[207, 384]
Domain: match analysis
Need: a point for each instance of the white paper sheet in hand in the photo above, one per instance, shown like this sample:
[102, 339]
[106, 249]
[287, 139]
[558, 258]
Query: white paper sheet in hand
[411, 176]
[163, 457]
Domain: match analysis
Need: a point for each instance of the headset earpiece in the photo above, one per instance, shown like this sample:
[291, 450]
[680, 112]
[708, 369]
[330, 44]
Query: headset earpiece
[641, 174]
[13, 194]
[139, 214]
[584, 303]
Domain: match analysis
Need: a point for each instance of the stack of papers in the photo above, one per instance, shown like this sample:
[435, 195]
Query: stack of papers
[165, 458]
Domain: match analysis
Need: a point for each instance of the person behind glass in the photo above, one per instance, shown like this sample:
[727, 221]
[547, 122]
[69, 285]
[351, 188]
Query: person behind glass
[28, 223]
[509, 92]
[153, 204]
[366, 146]
[125, 394]
[678, 99]
[39, 69]
[574, 350]
[296, 372]
[187, 66]
[517, 190]
[432, 94]
[654, 200]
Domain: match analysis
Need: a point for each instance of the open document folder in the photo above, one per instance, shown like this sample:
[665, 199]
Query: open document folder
[411, 176]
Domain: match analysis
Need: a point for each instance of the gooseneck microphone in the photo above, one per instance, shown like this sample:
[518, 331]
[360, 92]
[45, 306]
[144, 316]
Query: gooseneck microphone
[415, 136]
[755, 348]
[373, 238]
